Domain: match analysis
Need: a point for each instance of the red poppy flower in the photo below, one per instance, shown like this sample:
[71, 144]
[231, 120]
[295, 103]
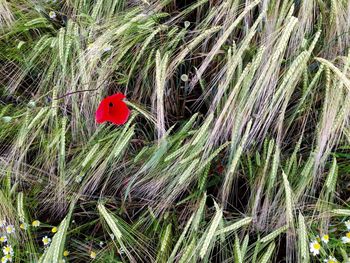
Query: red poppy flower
[113, 109]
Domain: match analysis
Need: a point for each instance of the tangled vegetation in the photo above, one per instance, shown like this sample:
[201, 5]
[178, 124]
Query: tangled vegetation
[236, 149]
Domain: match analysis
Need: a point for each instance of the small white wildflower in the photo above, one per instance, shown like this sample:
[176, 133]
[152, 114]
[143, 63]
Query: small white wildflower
[9, 258]
[52, 15]
[3, 239]
[10, 229]
[346, 238]
[330, 259]
[46, 240]
[36, 223]
[6, 258]
[347, 224]
[7, 250]
[325, 239]
[315, 247]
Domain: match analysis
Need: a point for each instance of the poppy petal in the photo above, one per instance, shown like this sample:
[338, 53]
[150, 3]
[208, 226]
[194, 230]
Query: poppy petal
[119, 113]
[117, 96]
[102, 111]
[113, 109]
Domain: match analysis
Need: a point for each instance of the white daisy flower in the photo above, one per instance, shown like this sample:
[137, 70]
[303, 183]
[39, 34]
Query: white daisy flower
[9, 258]
[325, 239]
[6, 258]
[36, 223]
[7, 250]
[10, 229]
[315, 247]
[46, 240]
[347, 224]
[331, 260]
[52, 15]
[3, 239]
[346, 238]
